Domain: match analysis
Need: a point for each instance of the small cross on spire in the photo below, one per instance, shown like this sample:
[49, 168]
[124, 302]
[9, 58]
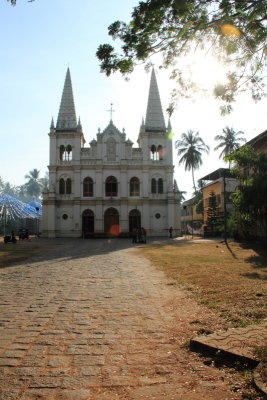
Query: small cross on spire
[111, 111]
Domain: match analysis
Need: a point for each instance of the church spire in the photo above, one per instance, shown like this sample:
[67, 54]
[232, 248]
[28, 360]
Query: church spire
[67, 116]
[52, 126]
[154, 114]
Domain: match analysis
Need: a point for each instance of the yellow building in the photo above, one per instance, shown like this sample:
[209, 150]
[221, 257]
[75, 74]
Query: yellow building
[223, 184]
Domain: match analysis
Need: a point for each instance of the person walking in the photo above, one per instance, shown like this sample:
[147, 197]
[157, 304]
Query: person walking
[143, 232]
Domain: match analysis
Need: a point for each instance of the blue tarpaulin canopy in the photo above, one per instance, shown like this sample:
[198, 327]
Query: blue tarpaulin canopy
[36, 205]
[12, 208]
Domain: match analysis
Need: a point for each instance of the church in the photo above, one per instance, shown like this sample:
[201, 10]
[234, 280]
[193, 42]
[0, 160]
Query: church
[110, 188]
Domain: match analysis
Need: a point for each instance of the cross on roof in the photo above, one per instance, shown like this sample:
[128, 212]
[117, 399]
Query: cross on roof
[111, 111]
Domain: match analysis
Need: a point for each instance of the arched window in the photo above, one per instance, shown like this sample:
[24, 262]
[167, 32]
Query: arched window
[88, 187]
[111, 186]
[68, 186]
[160, 185]
[153, 152]
[62, 186]
[153, 185]
[156, 185]
[61, 152]
[134, 187]
[68, 153]
[160, 152]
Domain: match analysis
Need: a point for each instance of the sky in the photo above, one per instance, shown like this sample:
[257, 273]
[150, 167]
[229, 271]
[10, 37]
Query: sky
[39, 40]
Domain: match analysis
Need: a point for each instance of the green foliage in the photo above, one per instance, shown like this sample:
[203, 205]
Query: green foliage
[212, 212]
[14, 2]
[7, 188]
[229, 141]
[232, 226]
[249, 198]
[233, 31]
[191, 147]
[33, 187]
[200, 207]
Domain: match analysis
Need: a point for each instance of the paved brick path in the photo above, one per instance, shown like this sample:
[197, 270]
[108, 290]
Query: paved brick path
[93, 320]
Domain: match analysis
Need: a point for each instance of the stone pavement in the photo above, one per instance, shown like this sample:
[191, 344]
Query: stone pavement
[238, 344]
[93, 320]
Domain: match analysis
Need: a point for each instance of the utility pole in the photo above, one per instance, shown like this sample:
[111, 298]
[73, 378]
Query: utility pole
[224, 208]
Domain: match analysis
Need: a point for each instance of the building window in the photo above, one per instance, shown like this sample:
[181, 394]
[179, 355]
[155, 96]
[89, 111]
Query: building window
[157, 215]
[157, 185]
[68, 186]
[153, 185]
[153, 152]
[65, 216]
[88, 187]
[134, 187]
[111, 186]
[160, 185]
[65, 153]
[61, 152]
[61, 186]
[156, 152]
[68, 153]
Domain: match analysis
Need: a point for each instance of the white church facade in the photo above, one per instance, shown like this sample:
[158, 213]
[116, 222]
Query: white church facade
[110, 187]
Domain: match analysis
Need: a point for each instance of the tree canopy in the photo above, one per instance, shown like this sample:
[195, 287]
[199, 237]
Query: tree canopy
[33, 187]
[191, 147]
[230, 141]
[34, 184]
[234, 31]
[249, 198]
[14, 2]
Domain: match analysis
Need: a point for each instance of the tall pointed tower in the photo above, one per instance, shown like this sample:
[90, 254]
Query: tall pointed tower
[154, 115]
[67, 115]
[153, 133]
[66, 141]
[155, 141]
[66, 138]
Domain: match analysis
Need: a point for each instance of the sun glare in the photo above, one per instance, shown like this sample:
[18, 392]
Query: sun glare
[207, 72]
[204, 70]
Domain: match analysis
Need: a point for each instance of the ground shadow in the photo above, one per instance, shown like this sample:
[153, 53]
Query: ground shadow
[230, 250]
[63, 249]
[258, 261]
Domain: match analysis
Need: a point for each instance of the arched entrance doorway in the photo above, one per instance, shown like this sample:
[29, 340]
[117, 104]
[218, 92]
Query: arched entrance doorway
[111, 221]
[134, 220]
[88, 223]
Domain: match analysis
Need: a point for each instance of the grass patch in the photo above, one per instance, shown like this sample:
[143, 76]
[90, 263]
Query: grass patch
[231, 279]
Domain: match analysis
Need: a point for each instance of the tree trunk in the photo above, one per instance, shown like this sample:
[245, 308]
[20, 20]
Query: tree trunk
[193, 180]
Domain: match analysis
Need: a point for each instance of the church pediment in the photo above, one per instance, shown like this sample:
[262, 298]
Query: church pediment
[112, 131]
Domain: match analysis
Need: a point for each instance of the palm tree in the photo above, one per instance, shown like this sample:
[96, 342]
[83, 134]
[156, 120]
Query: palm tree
[34, 184]
[229, 141]
[190, 147]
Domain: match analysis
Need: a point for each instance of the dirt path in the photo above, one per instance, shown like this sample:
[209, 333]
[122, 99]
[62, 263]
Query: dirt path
[93, 320]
